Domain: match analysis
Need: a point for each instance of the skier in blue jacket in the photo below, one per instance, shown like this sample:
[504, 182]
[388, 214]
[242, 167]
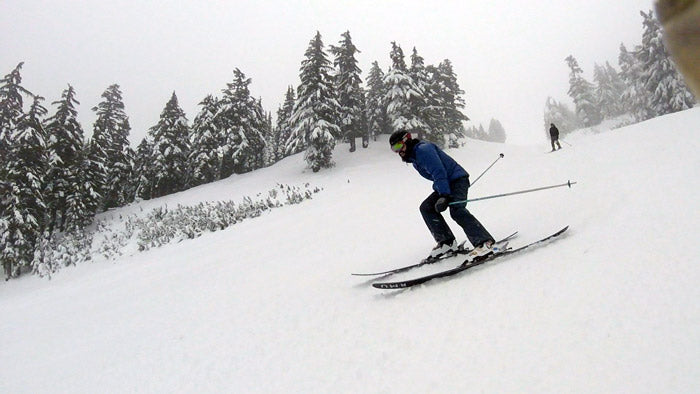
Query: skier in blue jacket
[450, 183]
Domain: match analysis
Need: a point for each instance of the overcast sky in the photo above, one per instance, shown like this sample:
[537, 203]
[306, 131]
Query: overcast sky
[508, 54]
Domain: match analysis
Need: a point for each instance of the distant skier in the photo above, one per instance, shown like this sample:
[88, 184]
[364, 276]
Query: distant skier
[450, 183]
[554, 136]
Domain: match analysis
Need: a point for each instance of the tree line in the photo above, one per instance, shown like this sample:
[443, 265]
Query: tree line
[54, 180]
[647, 85]
[495, 132]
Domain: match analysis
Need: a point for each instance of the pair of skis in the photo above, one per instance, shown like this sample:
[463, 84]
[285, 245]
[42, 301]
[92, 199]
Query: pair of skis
[453, 271]
[431, 260]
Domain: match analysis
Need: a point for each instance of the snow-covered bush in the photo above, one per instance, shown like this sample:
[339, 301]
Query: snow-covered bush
[160, 226]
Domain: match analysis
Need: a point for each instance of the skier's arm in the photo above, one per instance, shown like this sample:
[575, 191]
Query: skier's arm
[437, 170]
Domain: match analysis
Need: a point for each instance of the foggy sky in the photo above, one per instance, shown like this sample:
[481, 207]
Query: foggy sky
[508, 55]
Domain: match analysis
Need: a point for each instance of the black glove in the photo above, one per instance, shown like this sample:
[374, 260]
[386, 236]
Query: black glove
[442, 203]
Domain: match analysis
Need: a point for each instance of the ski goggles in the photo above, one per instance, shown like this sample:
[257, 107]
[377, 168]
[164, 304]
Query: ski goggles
[397, 146]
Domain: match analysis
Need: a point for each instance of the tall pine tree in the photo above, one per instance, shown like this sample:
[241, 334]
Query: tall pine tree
[170, 150]
[402, 96]
[11, 111]
[314, 127]
[282, 129]
[583, 94]
[377, 120]
[64, 178]
[635, 95]
[271, 138]
[561, 115]
[24, 218]
[204, 159]
[349, 90]
[263, 124]
[668, 91]
[144, 170]
[242, 126]
[609, 89]
[110, 150]
[446, 103]
[496, 131]
[83, 200]
[421, 103]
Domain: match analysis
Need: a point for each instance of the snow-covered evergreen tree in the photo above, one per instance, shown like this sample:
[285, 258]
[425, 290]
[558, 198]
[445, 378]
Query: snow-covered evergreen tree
[204, 161]
[377, 121]
[11, 111]
[263, 121]
[269, 133]
[111, 151]
[668, 91]
[170, 150]
[635, 96]
[65, 146]
[314, 127]
[82, 201]
[447, 103]
[144, 170]
[24, 218]
[470, 132]
[242, 125]
[95, 172]
[282, 129]
[120, 177]
[561, 115]
[433, 112]
[609, 89]
[349, 91]
[496, 131]
[482, 133]
[477, 133]
[96, 169]
[403, 96]
[421, 109]
[582, 93]
[364, 128]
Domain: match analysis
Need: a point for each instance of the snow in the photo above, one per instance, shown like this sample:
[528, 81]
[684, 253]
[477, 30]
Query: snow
[269, 305]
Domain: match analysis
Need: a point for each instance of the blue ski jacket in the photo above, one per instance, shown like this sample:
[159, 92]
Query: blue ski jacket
[435, 165]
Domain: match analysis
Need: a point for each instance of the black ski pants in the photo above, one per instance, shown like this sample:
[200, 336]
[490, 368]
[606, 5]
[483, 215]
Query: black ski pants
[555, 140]
[475, 232]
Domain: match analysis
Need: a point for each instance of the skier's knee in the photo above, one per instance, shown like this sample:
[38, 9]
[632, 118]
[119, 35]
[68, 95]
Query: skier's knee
[427, 206]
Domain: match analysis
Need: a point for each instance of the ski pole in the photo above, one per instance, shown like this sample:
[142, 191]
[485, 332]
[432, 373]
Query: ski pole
[566, 142]
[500, 156]
[568, 183]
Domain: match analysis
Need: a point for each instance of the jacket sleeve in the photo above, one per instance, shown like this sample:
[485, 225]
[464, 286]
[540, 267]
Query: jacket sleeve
[430, 159]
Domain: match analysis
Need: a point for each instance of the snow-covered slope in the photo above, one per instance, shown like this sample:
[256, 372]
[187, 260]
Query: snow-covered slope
[268, 305]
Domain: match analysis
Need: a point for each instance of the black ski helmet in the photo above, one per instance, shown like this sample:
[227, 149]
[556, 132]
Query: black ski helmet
[400, 135]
